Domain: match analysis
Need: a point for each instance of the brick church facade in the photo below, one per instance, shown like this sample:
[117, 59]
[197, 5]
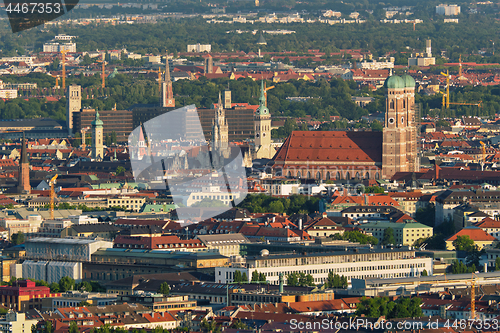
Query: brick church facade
[336, 155]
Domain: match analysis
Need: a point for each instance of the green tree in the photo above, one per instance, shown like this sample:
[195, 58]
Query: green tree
[381, 306]
[464, 243]
[66, 283]
[17, 238]
[239, 325]
[55, 64]
[107, 140]
[210, 326]
[262, 277]
[113, 137]
[424, 273]
[292, 279]
[73, 328]
[458, 267]
[255, 276]
[388, 237]
[237, 276]
[86, 61]
[119, 170]
[306, 280]
[84, 286]
[244, 278]
[164, 288]
[54, 287]
[377, 126]
[497, 264]
[336, 281]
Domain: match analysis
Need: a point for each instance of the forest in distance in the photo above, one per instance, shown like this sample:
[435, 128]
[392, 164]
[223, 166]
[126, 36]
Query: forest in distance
[328, 98]
[474, 32]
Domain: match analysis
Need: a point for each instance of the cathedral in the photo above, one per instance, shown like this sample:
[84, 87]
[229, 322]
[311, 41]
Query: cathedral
[345, 155]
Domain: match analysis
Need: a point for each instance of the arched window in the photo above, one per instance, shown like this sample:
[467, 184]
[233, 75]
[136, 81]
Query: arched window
[299, 175]
[404, 104]
[391, 104]
[367, 175]
[308, 175]
[377, 176]
[289, 175]
[328, 175]
[318, 175]
[357, 175]
[338, 176]
[347, 175]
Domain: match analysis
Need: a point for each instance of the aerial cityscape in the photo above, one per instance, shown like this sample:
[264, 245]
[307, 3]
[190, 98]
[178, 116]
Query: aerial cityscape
[250, 166]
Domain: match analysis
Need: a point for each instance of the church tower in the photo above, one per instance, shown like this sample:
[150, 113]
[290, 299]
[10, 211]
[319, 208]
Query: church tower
[97, 144]
[262, 128]
[24, 170]
[220, 130]
[167, 95]
[399, 146]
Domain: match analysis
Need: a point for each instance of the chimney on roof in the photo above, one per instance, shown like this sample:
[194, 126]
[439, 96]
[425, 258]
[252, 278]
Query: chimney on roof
[324, 214]
[436, 171]
[300, 224]
[366, 199]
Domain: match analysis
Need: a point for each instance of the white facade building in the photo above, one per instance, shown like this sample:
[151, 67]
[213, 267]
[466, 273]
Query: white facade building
[379, 263]
[16, 322]
[64, 37]
[75, 249]
[199, 48]
[448, 10]
[56, 47]
[51, 271]
[8, 93]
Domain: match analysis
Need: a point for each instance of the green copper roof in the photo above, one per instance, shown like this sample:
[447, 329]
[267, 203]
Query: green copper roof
[262, 109]
[97, 121]
[394, 82]
[409, 81]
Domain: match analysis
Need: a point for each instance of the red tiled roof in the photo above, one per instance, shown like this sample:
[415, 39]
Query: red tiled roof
[488, 223]
[474, 233]
[331, 146]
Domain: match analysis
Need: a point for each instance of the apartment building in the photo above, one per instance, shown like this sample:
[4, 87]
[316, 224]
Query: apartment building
[404, 233]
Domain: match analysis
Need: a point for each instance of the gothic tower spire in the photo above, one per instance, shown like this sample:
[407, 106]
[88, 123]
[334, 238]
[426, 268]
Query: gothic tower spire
[167, 95]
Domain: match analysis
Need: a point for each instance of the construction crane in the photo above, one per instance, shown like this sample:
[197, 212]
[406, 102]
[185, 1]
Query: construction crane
[84, 131]
[446, 95]
[103, 84]
[52, 196]
[473, 296]
[265, 91]
[63, 52]
[159, 79]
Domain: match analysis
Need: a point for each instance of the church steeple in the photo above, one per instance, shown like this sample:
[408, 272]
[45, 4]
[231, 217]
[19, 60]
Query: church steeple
[24, 169]
[166, 77]
[167, 95]
[262, 128]
[24, 153]
[97, 134]
[220, 129]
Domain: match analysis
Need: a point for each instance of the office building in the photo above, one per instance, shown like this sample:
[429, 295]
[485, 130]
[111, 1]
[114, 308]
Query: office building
[369, 263]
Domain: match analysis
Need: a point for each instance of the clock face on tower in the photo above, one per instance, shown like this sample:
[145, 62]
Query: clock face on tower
[169, 101]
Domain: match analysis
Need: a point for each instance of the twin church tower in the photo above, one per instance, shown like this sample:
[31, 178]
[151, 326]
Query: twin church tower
[399, 141]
